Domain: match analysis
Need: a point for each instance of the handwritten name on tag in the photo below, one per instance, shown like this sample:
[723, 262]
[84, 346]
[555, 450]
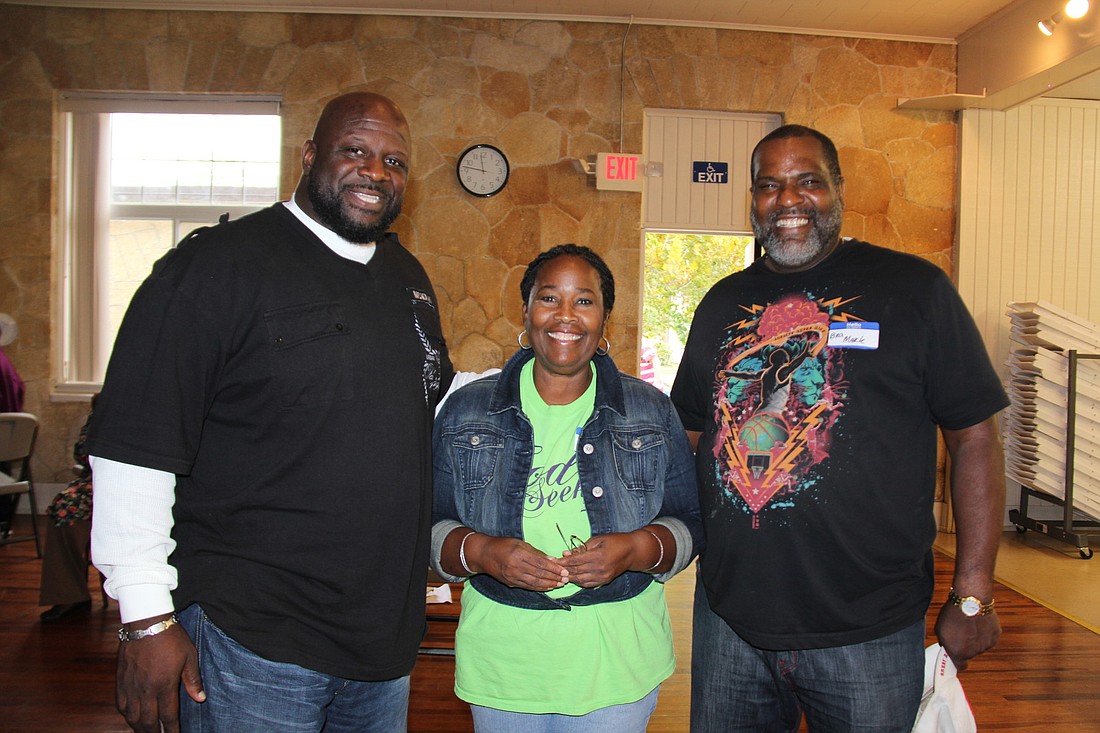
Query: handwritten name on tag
[856, 335]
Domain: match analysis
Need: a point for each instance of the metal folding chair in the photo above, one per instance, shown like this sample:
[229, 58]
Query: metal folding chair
[18, 431]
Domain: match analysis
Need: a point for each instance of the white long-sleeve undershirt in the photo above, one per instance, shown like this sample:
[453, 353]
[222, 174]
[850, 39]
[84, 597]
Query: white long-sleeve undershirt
[132, 536]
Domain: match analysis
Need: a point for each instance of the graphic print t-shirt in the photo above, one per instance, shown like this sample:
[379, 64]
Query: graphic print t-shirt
[818, 395]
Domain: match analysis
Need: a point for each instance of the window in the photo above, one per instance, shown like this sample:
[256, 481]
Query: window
[695, 212]
[138, 173]
[680, 267]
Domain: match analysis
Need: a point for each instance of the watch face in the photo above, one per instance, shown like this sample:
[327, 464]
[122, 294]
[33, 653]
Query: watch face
[482, 170]
[970, 605]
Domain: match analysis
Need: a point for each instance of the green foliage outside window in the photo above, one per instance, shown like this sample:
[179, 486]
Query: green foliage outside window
[679, 269]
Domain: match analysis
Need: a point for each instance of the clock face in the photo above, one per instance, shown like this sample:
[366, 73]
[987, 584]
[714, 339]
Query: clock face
[482, 170]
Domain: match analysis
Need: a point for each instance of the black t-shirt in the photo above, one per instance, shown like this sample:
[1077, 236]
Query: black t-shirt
[292, 392]
[819, 395]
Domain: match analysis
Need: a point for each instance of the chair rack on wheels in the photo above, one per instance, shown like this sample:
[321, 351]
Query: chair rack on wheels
[1068, 530]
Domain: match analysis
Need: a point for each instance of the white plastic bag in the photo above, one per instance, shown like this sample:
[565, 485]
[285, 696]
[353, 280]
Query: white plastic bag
[943, 707]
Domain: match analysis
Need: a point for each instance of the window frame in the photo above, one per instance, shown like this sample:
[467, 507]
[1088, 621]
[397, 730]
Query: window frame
[82, 338]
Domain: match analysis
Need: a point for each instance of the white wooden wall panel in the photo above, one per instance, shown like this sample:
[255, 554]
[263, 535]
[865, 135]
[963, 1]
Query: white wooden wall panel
[1029, 224]
[676, 138]
[1028, 219]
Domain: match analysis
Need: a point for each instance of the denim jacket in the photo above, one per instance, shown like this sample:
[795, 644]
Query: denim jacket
[635, 464]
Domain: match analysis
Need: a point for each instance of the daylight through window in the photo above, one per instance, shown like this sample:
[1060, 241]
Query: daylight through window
[139, 175]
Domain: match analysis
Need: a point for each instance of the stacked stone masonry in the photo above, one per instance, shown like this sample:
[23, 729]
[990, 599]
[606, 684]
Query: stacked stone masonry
[546, 92]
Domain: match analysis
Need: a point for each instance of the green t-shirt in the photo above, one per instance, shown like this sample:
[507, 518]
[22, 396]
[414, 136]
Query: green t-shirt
[556, 661]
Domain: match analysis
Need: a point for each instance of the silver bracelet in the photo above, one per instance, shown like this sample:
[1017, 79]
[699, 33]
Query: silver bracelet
[462, 553]
[659, 557]
[124, 635]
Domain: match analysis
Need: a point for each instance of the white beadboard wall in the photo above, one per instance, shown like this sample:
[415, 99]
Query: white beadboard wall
[1029, 228]
[676, 138]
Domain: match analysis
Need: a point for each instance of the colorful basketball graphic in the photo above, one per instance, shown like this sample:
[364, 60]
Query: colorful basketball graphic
[761, 432]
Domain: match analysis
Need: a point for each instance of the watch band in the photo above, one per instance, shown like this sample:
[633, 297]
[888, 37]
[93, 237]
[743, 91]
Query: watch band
[124, 635]
[970, 605]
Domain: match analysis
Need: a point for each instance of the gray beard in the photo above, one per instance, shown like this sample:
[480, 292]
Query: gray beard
[825, 231]
[330, 209]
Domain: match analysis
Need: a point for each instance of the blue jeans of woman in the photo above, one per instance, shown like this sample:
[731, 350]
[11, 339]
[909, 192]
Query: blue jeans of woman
[631, 717]
[873, 686]
[246, 693]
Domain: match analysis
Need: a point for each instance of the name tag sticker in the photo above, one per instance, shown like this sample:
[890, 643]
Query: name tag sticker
[855, 335]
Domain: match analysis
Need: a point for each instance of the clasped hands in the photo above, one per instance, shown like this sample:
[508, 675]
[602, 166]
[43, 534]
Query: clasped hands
[598, 561]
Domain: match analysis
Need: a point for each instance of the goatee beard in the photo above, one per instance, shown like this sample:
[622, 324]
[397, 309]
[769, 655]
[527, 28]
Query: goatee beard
[824, 232]
[329, 207]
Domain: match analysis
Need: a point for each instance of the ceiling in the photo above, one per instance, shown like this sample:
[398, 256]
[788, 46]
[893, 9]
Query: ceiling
[927, 20]
[937, 21]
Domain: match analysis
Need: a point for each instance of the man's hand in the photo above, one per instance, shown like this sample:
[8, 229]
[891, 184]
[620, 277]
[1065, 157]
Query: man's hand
[965, 637]
[977, 496]
[149, 674]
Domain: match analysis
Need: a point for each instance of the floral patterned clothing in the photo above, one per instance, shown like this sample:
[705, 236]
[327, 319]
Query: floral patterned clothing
[74, 502]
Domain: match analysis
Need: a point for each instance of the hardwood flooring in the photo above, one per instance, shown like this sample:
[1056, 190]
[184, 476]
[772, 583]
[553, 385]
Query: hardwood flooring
[60, 677]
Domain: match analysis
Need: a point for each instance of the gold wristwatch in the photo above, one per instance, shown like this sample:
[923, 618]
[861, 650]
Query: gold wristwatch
[970, 605]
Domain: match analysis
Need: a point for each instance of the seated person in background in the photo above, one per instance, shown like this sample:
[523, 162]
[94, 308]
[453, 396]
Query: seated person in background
[64, 585]
[565, 494]
[12, 392]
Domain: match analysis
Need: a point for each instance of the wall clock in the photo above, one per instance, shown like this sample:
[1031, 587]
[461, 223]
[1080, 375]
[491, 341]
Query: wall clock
[482, 170]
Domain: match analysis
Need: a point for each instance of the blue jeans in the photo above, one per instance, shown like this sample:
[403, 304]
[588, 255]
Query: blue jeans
[873, 686]
[631, 717]
[246, 693]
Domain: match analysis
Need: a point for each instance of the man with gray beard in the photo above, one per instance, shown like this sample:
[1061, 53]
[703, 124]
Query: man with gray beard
[814, 384]
[262, 455]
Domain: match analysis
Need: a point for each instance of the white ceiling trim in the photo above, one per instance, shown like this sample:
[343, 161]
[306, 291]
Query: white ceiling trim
[265, 6]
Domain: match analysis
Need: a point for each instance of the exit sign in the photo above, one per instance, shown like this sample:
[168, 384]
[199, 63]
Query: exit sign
[706, 171]
[618, 172]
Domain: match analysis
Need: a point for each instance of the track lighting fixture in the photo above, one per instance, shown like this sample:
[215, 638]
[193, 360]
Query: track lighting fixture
[1073, 9]
[1077, 8]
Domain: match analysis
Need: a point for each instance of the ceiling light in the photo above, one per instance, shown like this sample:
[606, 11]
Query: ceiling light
[1077, 8]
[1046, 27]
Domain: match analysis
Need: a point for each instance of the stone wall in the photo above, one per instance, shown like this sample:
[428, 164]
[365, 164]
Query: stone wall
[546, 92]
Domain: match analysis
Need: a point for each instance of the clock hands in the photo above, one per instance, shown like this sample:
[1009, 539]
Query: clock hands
[482, 170]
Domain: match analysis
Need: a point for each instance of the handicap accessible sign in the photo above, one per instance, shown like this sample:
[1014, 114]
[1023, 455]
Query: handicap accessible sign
[706, 171]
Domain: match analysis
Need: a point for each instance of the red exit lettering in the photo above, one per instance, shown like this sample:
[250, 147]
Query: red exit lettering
[621, 168]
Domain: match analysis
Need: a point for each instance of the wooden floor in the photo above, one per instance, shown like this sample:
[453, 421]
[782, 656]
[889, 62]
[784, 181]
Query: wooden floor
[60, 677]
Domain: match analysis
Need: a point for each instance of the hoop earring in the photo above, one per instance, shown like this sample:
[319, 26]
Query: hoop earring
[519, 340]
[606, 349]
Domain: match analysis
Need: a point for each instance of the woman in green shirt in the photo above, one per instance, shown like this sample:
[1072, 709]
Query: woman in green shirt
[565, 493]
